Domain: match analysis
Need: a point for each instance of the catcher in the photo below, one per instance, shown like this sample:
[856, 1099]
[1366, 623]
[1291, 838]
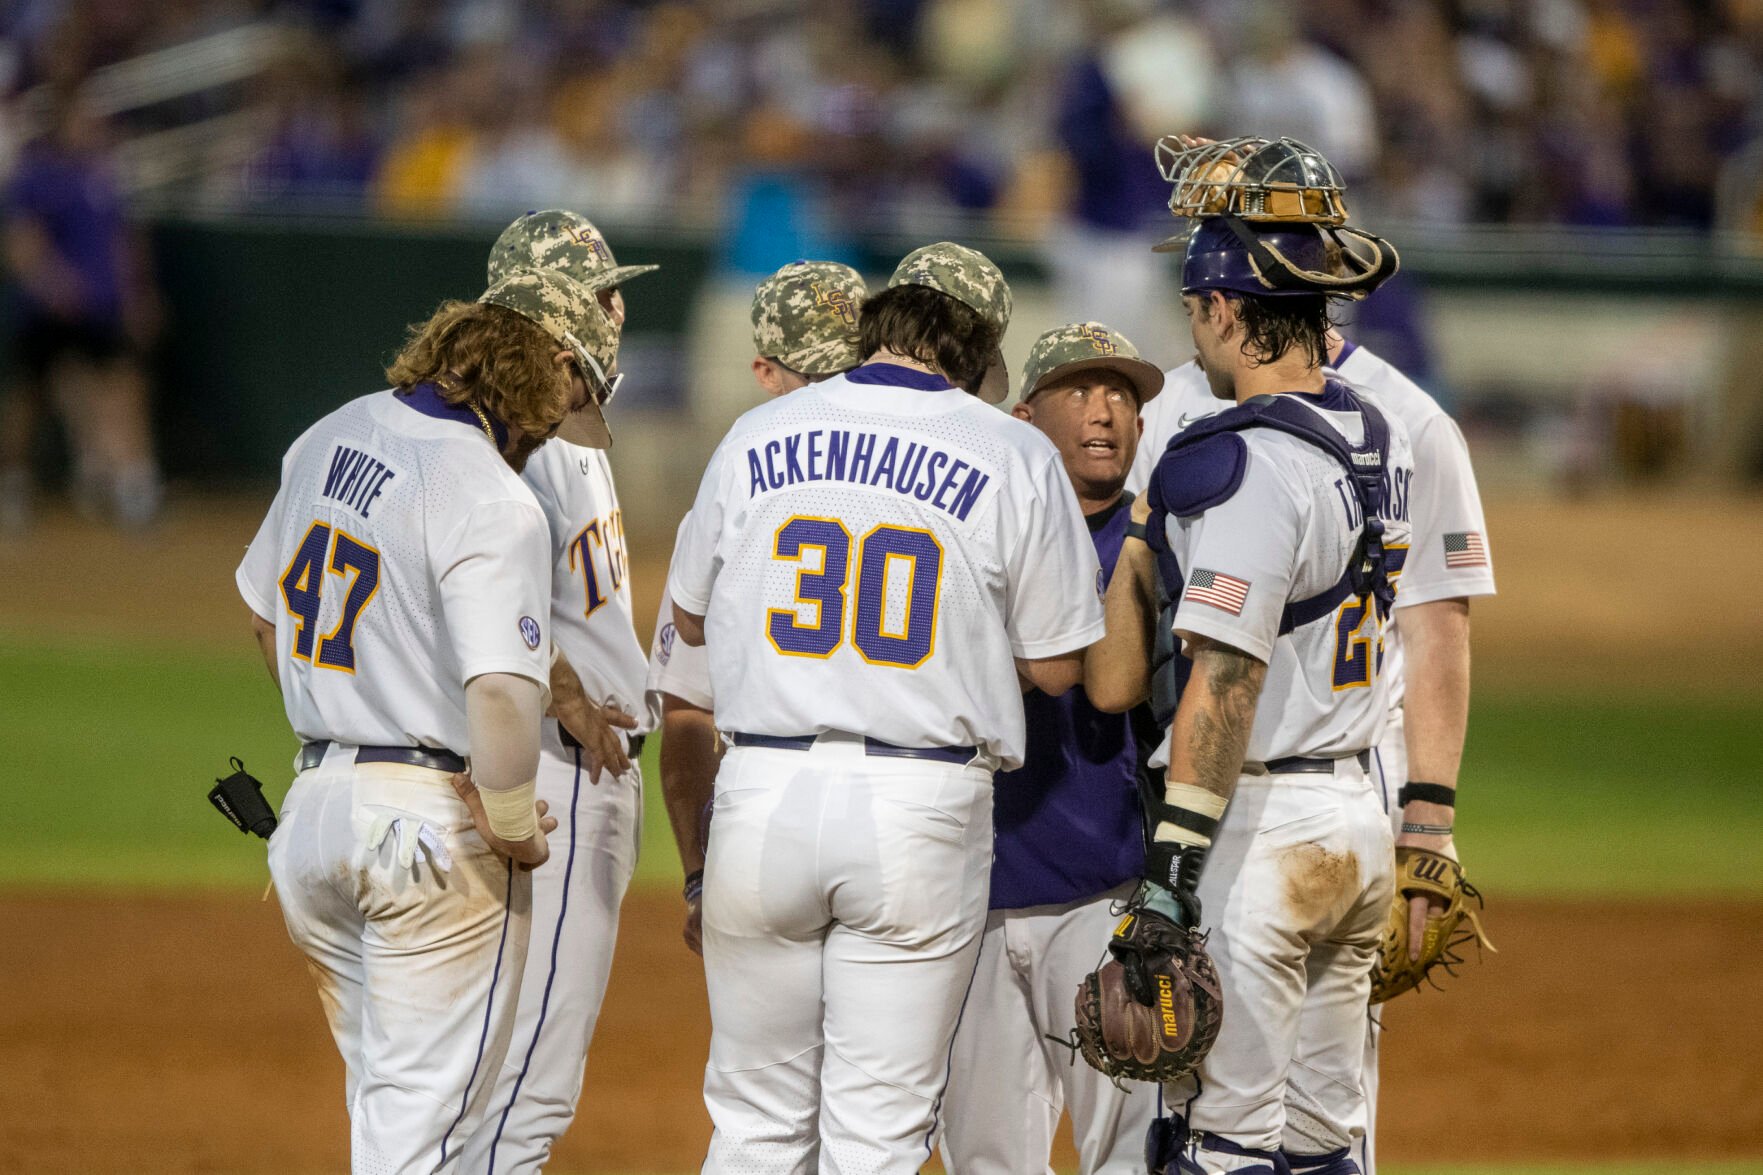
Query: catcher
[1426, 653]
[1272, 527]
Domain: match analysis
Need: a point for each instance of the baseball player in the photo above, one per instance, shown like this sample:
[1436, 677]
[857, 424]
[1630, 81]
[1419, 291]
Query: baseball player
[1271, 522]
[877, 561]
[399, 588]
[804, 331]
[1069, 824]
[1426, 650]
[587, 757]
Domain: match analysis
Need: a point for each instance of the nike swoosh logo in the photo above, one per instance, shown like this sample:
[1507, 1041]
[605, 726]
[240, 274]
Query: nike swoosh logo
[1184, 419]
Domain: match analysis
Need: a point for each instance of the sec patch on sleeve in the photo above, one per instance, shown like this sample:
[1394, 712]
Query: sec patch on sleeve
[529, 631]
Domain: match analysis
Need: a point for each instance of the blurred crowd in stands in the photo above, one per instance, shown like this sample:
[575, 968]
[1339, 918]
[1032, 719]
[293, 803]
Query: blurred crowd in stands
[888, 112]
[791, 129]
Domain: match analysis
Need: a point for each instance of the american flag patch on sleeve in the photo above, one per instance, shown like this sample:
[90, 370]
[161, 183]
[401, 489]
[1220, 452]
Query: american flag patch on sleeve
[1225, 592]
[1464, 548]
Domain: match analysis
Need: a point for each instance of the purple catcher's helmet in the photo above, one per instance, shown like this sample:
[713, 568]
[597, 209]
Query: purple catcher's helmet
[1284, 260]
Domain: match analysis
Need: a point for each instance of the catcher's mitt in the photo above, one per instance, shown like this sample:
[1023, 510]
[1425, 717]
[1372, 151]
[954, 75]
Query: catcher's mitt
[1151, 1011]
[1423, 873]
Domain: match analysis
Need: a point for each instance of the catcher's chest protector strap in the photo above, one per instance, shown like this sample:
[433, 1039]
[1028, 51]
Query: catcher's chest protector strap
[1203, 466]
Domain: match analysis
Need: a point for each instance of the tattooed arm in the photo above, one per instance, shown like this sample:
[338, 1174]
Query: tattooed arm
[1207, 743]
[1210, 735]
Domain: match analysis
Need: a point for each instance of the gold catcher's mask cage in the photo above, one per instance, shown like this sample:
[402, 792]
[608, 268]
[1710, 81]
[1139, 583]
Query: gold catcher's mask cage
[1253, 178]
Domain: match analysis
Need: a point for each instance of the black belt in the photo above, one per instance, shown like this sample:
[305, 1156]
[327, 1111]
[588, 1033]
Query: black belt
[1304, 765]
[435, 759]
[960, 756]
[633, 743]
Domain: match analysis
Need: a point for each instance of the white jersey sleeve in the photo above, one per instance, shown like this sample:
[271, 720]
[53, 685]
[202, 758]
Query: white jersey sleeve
[695, 561]
[1450, 556]
[675, 667]
[1186, 397]
[1054, 565]
[1240, 561]
[496, 561]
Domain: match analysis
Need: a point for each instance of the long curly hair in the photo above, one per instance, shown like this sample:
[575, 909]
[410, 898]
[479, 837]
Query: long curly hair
[931, 327]
[490, 354]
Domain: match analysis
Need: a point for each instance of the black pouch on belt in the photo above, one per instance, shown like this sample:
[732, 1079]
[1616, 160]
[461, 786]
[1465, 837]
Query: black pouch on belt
[239, 797]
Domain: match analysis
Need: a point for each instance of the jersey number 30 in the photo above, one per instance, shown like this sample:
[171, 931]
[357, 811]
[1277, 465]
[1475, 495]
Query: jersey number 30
[894, 557]
[303, 587]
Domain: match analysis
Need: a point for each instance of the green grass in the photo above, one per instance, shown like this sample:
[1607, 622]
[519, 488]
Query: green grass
[111, 751]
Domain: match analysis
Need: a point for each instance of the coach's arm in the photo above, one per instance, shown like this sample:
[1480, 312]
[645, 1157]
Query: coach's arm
[688, 626]
[1117, 668]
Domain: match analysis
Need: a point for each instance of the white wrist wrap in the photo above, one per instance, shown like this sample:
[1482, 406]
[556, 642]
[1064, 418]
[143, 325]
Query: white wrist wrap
[1193, 799]
[511, 813]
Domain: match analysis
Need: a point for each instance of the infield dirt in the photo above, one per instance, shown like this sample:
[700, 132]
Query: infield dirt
[182, 1034]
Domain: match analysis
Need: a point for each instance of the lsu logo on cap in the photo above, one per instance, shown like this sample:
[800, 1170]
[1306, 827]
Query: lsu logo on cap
[589, 241]
[836, 301]
[529, 631]
[1100, 341]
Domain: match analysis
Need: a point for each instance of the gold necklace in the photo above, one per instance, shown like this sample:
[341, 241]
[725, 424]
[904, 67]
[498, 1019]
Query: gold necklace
[483, 421]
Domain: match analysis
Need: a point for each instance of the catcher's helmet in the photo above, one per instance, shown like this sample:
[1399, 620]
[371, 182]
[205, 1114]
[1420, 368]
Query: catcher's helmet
[1284, 260]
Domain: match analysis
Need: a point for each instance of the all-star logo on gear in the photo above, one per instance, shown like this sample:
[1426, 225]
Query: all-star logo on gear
[529, 631]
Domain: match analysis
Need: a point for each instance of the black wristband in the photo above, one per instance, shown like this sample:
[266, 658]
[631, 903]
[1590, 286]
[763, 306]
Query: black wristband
[1136, 530]
[694, 885]
[1429, 793]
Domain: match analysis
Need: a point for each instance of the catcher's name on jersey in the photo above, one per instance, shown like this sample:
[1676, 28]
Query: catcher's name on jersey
[881, 459]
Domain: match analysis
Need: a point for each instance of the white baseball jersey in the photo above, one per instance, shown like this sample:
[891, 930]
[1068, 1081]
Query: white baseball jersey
[674, 666]
[401, 558]
[591, 617]
[1449, 554]
[871, 552]
[1283, 536]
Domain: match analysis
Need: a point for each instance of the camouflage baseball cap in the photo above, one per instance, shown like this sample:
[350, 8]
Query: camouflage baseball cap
[558, 239]
[805, 316]
[1085, 346]
[568, 312]
[968, 276]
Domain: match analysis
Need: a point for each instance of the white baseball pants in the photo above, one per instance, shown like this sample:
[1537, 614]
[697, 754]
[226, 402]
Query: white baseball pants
[1294, 895]
[416, 934]
[576, 896]
[1008, 1081]
[844, 896]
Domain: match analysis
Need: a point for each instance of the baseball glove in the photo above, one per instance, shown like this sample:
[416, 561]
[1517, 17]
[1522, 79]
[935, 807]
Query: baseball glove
[1152, 1010]
[1423, 873]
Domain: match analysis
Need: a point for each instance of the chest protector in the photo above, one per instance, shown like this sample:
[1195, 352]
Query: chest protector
[1204, 465]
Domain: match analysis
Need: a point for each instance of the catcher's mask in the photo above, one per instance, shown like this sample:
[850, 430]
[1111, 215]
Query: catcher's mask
[1257, 179]
[1227, 253]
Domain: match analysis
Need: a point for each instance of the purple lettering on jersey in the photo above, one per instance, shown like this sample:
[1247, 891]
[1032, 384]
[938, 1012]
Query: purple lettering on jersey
[860, 462]
[755, 474]
[838, 447]
[772, 449]
[884, 465]
[1068, 822]
[928, 485]
[793, 458]
[969, 493]
[948, 484]
[814, 455]
[909, 466]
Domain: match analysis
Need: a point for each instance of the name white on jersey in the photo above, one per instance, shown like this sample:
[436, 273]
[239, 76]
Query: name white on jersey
[400, 558]
[872, 558]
